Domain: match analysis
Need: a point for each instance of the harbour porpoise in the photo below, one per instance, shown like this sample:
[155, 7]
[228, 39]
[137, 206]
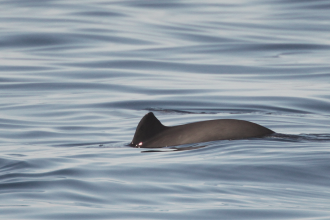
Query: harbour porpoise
[151, 133]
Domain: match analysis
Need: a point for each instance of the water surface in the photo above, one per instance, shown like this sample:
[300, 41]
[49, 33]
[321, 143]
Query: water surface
[77, 76]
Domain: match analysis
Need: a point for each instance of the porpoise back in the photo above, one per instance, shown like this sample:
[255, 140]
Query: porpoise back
[151, 133]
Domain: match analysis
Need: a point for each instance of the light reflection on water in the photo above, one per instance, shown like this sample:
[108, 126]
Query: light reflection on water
[76, 78]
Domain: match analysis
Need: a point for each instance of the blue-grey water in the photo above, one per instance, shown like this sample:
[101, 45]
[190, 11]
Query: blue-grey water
[76, 77]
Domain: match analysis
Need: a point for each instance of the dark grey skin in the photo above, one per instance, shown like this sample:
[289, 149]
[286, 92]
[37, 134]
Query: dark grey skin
[151, 133]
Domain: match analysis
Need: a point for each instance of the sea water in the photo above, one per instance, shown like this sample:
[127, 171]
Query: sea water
[76, 77]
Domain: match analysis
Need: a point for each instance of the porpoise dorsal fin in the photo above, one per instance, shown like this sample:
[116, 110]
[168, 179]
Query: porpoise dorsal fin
[148, 127]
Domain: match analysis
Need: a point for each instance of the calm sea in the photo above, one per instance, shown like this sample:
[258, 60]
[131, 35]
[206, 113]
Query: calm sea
[76, 77]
